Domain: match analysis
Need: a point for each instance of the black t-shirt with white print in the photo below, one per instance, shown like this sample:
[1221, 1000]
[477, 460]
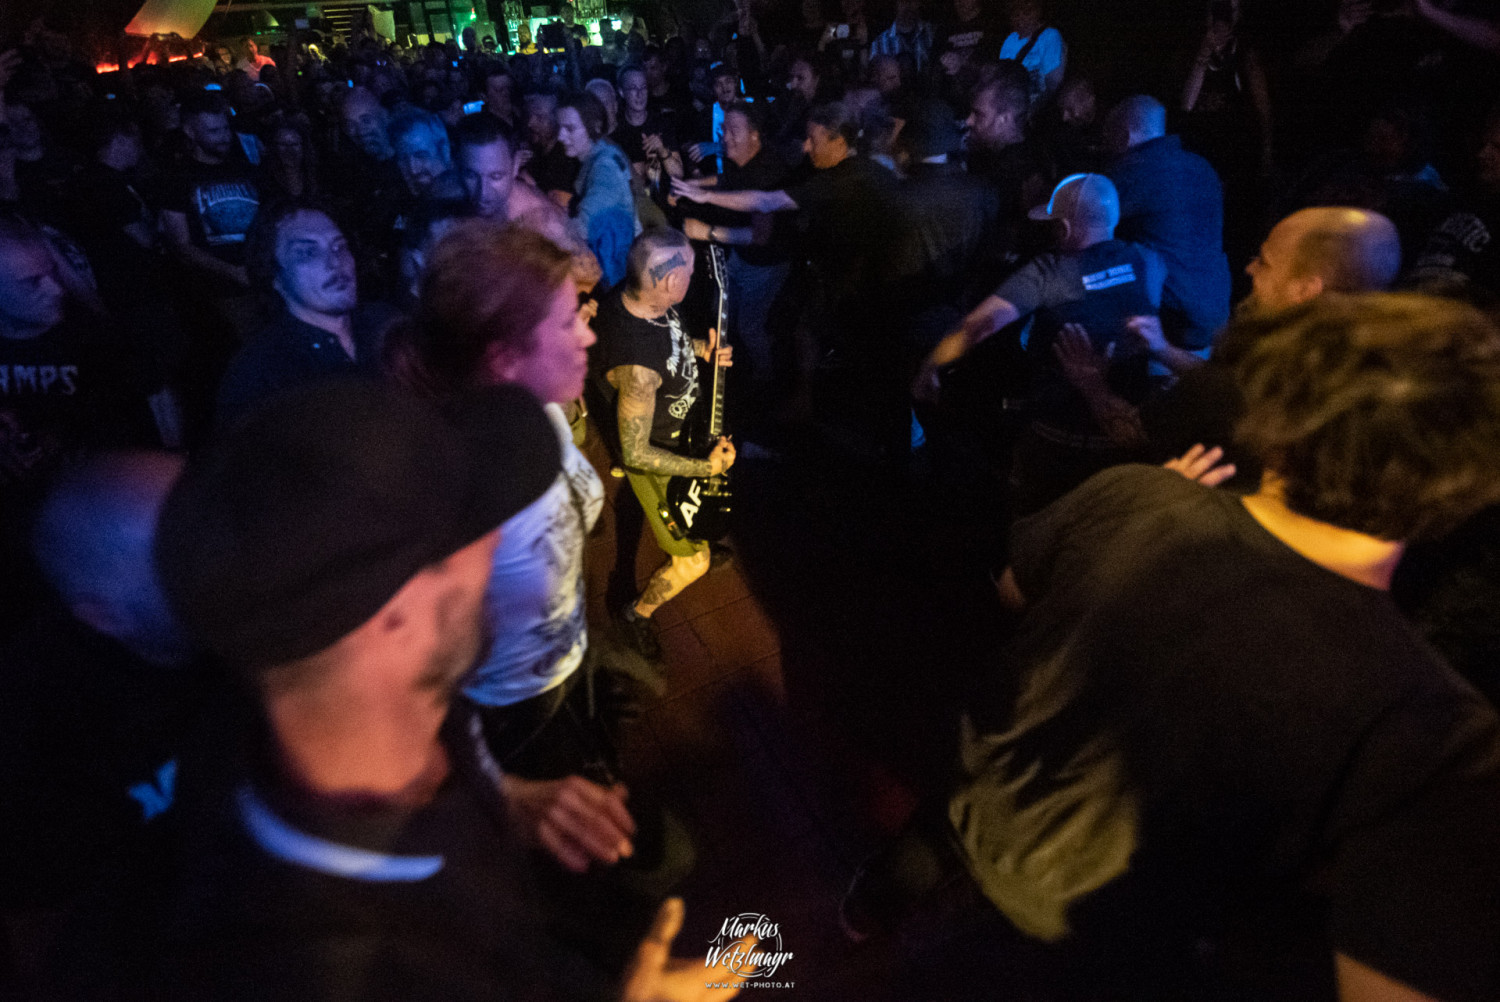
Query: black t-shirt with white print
[1462, 252]
[220, 202]
[660, 345]
[66, 391]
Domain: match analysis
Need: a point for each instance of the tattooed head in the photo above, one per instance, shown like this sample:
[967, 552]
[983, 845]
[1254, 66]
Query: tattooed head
[655, 258]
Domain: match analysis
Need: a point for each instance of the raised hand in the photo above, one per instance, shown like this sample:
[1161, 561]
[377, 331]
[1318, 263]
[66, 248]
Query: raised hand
[1197, 464]
[1084, 367]
[575, 820]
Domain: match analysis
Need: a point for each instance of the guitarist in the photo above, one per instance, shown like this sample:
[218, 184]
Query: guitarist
[651, 376]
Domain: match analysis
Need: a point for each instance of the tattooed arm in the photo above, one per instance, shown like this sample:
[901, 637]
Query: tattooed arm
[637, 410]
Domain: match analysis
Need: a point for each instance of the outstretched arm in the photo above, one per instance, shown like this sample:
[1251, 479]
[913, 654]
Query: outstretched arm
[735, 201]
[985, 319]
[1148, 329]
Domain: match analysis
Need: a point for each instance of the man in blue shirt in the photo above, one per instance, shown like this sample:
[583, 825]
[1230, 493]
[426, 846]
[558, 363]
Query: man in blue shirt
[1171, 200]
[908, 33]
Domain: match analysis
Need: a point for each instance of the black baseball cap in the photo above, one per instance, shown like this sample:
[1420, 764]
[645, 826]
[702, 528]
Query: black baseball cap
[313, 510]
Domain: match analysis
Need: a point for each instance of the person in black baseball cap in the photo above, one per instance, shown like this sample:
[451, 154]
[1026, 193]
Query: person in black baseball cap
[318, 509]
[352, 837]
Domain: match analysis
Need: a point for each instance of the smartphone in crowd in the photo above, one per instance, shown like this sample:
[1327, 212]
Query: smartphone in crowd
[473, 107]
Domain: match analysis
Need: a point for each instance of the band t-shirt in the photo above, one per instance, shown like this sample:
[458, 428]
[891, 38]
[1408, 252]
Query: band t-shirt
[660, 345]
[66, 391]
[978, 39]
[535, 598]
[1219, 761]
[220, 202]
[1463, 251]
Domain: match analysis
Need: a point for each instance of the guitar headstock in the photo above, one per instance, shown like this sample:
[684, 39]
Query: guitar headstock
[716, 259]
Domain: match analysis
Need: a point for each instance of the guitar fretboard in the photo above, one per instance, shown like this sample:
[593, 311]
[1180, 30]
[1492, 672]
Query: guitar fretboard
[716, 414]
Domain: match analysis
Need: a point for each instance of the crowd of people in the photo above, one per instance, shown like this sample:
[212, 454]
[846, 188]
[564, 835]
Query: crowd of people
[301, 344]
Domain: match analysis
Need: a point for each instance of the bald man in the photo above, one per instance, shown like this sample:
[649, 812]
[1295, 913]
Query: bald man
[644, 364]
[1309, 253]
[1079, 299]
[1171, 200]
[97, 690]
[1330, 249]
[367, 196]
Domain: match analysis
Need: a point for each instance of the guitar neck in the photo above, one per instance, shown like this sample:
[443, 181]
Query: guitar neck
[716, 402]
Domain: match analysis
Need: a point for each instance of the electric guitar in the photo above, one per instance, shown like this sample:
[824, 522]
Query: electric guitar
[699, 507]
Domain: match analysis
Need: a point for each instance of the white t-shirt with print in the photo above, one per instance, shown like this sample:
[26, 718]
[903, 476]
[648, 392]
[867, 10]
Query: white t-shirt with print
[535, 599]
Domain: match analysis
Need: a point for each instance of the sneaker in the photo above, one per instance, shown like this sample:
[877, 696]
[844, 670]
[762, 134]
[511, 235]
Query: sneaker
[639, 633]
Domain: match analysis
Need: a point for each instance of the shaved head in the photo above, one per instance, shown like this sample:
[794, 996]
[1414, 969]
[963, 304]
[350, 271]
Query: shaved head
[93, 541]
[1326, 249]
[655, 256]
[1135, 120]
[1351, 250]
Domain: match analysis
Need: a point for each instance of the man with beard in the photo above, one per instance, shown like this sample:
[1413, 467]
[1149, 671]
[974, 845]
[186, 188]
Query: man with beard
[212, 199]
[299, 253]
[1001, 153]
[1307, 254]
[348, 836]
[422, 149]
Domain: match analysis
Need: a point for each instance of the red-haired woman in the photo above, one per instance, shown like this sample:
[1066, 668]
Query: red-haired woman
[498, 304]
